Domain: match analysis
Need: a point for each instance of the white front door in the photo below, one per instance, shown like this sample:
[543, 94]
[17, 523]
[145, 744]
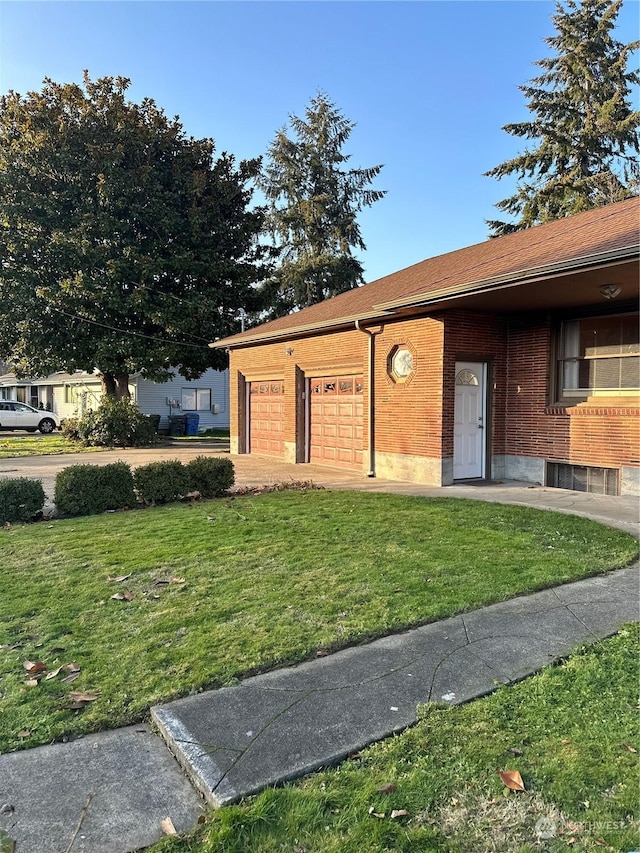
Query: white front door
[469, 439]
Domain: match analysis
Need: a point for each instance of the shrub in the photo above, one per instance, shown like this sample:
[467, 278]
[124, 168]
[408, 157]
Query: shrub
[89, 489]
[71, 429]
[161, 482]
[116, 422]
[209, 475]
[20, 499]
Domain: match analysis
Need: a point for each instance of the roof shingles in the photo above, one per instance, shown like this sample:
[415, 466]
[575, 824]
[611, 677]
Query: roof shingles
[566, 241]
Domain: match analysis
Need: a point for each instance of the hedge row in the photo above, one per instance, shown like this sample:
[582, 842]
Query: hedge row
[90, 489]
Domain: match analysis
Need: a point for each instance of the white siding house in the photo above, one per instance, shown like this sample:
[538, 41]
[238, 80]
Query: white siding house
[71, 394]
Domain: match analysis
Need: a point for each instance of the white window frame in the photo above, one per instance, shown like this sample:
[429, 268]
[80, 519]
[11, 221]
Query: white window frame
[196, 400]
[570, 357]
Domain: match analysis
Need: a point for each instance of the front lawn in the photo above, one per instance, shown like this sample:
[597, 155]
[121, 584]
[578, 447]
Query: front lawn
[571, 732]
[209, 592]
[38, 445]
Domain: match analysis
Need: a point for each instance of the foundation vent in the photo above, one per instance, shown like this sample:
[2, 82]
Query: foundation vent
[583, 478]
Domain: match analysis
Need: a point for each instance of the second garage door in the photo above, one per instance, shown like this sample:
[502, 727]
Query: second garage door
[336, 415]
[266, 417]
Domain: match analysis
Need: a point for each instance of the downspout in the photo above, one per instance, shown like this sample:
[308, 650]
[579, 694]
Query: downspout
[372, 397]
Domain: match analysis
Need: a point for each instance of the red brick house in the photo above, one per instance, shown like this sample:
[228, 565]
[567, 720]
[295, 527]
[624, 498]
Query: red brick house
[517, 359]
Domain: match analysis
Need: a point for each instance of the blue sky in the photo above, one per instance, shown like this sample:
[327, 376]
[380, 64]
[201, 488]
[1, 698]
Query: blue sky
[429, 85]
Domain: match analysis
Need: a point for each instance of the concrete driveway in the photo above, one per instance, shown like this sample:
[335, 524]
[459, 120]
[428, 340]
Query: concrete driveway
[621, 512]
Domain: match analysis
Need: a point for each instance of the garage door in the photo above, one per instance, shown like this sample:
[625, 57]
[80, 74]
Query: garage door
[336, 414]
[266, 417]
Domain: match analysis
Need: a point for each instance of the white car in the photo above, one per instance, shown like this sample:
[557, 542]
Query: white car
[14, 415]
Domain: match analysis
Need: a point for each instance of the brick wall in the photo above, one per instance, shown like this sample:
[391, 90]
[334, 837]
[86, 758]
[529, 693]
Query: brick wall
[602, 432]
[416, 417]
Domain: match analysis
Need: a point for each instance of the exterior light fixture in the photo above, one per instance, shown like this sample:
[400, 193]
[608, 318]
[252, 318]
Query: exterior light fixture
[610, 291]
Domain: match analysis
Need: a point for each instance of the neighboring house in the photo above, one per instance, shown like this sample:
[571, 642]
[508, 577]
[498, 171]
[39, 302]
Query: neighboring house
[70, 394]
[517, 359]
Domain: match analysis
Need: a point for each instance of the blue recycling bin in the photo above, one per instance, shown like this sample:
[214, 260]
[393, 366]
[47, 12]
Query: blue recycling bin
[191, 421]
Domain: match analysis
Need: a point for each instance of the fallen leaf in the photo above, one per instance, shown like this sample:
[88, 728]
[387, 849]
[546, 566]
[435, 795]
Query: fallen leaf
[375, 813]
[202, 818]
[127, 595]
[69, 678]
[81, 696]
[354, 756]
[34, 668]
[516, 750]
[398, 813]
[24, 733]
[118, 596]
[512, 779]
[565, 740]
[387, 788]
[119, 579]
[321, 653]
[52, 674]
[570, 841]
[166, 825]
[629, 747]
[32, 682]
[600, 842]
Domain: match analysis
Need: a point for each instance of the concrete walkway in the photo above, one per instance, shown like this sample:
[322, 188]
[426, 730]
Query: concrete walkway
[110, 791]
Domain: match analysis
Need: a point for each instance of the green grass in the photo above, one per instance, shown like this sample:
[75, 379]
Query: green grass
[268, 580]
[566, 730]
[36, 445]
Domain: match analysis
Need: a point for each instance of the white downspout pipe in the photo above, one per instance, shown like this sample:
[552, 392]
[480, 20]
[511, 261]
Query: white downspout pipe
[371, 387]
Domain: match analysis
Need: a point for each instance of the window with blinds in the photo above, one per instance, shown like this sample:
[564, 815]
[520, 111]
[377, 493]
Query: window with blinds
[599, 355]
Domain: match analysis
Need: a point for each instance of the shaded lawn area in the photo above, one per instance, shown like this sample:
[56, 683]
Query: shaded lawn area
[570, 731]
[258, 582]
[12, 446]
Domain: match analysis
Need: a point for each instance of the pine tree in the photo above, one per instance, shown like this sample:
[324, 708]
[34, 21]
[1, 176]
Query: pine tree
[583, 125]
[313, 204]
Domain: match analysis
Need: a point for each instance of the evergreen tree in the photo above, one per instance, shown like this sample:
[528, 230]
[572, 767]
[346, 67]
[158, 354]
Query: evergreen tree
[124, 244]
[583, 125]
[314, 201]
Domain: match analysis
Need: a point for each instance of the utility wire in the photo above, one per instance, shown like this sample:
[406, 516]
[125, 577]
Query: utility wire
[126, 331]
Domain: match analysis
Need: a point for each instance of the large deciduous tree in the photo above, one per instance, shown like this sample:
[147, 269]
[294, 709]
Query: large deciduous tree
[314, 200]
[124, 244]
[584, 128]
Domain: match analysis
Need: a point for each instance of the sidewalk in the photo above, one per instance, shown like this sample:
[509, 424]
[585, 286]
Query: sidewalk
[109, 792]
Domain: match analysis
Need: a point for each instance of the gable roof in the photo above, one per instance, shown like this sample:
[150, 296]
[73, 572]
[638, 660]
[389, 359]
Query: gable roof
[606, 234]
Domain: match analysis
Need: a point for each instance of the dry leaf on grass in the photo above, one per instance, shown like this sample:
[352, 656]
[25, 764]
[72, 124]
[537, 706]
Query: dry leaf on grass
[127, 595]
[512, 779]
[398, 813]
[32, 682]
[66, 667]
[387, 788]
[375, 813]
[79, 699]
[34, 668]
[24, 733]
[628, 747]
[119, 579]
[166, 825]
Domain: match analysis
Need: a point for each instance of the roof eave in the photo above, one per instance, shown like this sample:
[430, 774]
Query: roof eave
[525, 276]
[296, 331]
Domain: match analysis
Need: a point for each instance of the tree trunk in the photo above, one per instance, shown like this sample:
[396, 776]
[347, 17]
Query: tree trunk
[115, 385]
[122, 386]
[108, 384]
